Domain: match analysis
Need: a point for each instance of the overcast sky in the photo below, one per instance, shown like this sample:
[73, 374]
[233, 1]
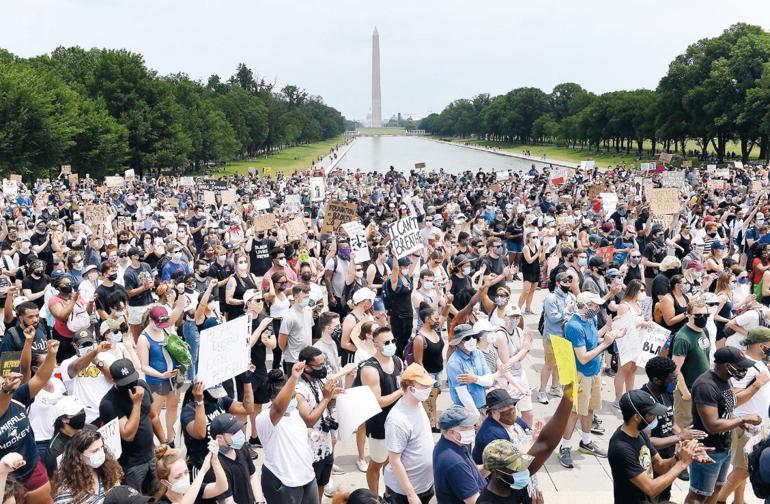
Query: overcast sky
[431, 51]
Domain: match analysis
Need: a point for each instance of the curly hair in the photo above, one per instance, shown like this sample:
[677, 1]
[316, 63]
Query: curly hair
[74, 475]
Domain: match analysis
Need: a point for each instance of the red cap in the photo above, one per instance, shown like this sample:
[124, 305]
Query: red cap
[695, 265]
[708, 218]
[159, 316]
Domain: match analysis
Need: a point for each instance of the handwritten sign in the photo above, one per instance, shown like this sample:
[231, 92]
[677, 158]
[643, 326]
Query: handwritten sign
[317, 189]
[15, 177]
[711, 169]
[652, 338]
[252, 171]
[665, 157]
[715, 185]
[609, 202]
[672, 178]
[209, 198]
[336, 213]
[73, 180]
[357, 239]
[723, 173]
[664, 201]
[10, 362]
[756, 185]
[405, 237]
[264, 222]
[419, 166]
[66, 169]
[224, 351]
[296, 227]
[10, 187]
[130, 175]
[114, 181]
[111, 437]
[587, 165]
[228, 197]
[687, 163]
[738, 164]
[94, 215]
[186, 181]
[502, 175]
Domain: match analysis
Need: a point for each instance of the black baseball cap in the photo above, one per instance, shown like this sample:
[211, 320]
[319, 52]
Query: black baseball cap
[123, 494]
[731, 355]
[224, 424]
[641, 402]
[596, 262]
[500, 398]
[123, 372]
[134, 251]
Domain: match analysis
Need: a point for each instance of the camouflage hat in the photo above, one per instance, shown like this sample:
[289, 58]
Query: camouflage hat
[503, 454]
[758, 335]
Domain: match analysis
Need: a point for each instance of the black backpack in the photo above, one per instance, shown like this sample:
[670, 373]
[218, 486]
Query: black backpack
[761, 487]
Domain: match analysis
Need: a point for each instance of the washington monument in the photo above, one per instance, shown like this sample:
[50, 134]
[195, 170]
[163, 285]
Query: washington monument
[376, 97]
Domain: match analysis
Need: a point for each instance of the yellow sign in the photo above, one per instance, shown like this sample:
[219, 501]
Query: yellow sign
[565, 363]
[267, 171]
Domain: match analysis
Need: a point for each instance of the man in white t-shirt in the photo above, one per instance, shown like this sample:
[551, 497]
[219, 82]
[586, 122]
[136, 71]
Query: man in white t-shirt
[84, 373]
[408, 436]
[744, 323]
[757, 342]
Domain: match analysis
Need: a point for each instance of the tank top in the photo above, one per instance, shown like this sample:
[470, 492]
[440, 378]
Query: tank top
[432, 354]
[389, 383]
[157, 359]
[685, 244]
[678, 310]
[242, 284]
[497, 320]
[279, 307]
[379, 279]
[513, 341]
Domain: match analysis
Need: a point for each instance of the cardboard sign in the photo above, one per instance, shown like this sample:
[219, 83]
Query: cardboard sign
[672, 178]
[564, 355]
[264, 222]
[66, 169]
[405, 237]
[687, 163]
[10, 187]
[419, 166]
[665, 157]
[10, 362]
[73, 180]
[267, 171]
[114, 181]
[317, 189]
[111, 437]
[130, 175]
[296, 227]
[209, 198]
[357, 239]
[606, 253]
[594, 190]
[186, 181]
[228, 197]
[336, 213]
[738, 164]
[587, 165]
[715, 185]
[94, 215]
[664, 201]
[224, 351]
[15, 177]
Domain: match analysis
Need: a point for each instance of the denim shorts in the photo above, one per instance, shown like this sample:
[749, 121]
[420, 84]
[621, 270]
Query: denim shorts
[378, 304]
[705, 477]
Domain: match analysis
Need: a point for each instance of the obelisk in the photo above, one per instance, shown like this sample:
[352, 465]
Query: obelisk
[376, 97]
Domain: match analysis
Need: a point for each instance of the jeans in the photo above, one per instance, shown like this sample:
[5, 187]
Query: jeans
[192, 337]
[704, 478]
[276, 493]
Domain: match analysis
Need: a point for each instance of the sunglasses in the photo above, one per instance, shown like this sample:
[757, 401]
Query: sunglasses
[388, 342]
[162, 320]
[476, 337]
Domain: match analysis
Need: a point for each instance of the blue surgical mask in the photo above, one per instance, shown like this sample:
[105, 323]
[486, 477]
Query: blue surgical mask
[304, 303]
[652, 424]
[518, 480]
[500, 301]
[583, 261]
[466, 271]
[671, 387]
[389, 350]
[239, 438]
[82, 351]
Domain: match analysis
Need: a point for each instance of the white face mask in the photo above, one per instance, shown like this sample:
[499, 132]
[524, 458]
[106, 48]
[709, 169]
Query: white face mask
[282, 262]
[421, 394]
[180, 487]
[96, 460]
[428, 285]
[642, 297]
[467, 436]
[470, 345]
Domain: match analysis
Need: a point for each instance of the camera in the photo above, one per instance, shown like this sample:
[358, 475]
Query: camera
[329, 424]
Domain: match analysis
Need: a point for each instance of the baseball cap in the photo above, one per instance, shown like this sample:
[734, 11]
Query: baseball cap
[363, 294]
[512, 310]
[134, 251]
[84, 338]
[641, 402]
[68, 406]
[484, 325]
[455, 416]
[758, 335]
[717, 245]
[249, 294]
[159, 315]
[123, 372]
[19, 300]
[123, 494]
[731, 355]
[461, 332]
[613, 272]
[417, 373]
[503, 454]
[500, 398]
[460, 260]
[224, 424]
[596, 262]
[589, 297]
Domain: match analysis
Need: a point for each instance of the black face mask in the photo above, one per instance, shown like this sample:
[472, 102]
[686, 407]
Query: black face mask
[319, 373]
[65, 289]
[565, 289]
[700, 320]
[78, 421]
[112, 277]
[306, 277]
[737, 373]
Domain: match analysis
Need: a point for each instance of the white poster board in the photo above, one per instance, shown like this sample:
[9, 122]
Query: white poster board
[354, 407]
[111, 437]
[609, 202]
[224, 351]
[738, 164]
[502, 175]
[710, 169]
[10, 187]
[293, 202]
[261, 204]
[723, 173]
[629, 345]
[587, 165]
[405, 237]
[186, 181]
[317, 189]
[651, 340]
[672, 178]
[357, 239]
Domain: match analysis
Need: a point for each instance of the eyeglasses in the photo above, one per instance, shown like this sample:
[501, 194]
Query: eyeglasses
[388, 342]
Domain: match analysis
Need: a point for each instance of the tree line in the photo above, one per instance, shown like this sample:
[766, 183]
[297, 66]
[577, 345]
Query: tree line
[103, 110]
[716, 92]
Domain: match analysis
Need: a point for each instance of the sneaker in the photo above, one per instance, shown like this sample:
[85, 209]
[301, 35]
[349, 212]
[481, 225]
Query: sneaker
[362, 465]
[542, 397]
[253, 452]
[329, 488]
[684, 475]
[337, 469]
[556, 391]
[255, 442]
[597, 420]
[592, 449]
[565, 458]
[596, 428]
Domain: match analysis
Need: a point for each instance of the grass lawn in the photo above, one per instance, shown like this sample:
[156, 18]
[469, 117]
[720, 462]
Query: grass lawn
[286, 161]
[381, 131]
[577, 155]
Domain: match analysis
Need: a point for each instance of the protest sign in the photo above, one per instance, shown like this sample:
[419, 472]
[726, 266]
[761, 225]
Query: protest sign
[723, 173]
[94, 215]
[228, 197]
[10, 187]
[224, 351]
[66, 169]
[114, 181]
[354, 407]
[710, 169]
[756, 185]
[317, 189]
[665, 157]
[405, 237]
[15, 177]
[73, 180]
[717, 185]
[652, 339]
[738, 164]
[647, 166]
[10, 362]
[672, 178]
[502, 175]
[130, 175]
[562, 220]
[336, 213]
[264, 222]
[558, 176]
[261, 204]
[565, 363]
[495, 187]
[606, 253]
[209, 198]
[419, 166]
[664, 201]
[111, 437]
[252, 171]
[357, 239]
[628, 345]
[687, 163]
[267, 171]
[293, 202]
[295, 227]
[594, 190]
[186, 181]
[587, 165]
[609, 202]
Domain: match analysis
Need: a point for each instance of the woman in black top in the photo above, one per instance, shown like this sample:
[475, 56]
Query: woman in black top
[238, 284]
[633, 269]
[400, 298]
[429, 353]
[673, 306]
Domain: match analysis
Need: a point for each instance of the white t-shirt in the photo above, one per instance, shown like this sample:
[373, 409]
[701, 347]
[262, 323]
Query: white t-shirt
[90, 385]
[407, 431]
[760, 401]
[42, 411]
[287, 448]
[321, 441]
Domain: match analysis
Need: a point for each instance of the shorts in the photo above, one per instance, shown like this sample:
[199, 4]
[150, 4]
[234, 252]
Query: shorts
[682, 410]
[378, 450]
[525, 402]
[704, 478]
[323, 470]
[548, 355]
[37, 478]
[512, 246]
[162, 388]
[739, 438]
[136, 314]
[589, 394]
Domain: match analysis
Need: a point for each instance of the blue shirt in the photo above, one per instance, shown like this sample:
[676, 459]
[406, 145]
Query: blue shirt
[583, 333]
[490, 430]
[455, 476]
[16, 432]
[461, 363]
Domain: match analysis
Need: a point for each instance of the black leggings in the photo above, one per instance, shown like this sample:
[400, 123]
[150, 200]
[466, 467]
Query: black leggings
[402, 331]
[276, 493]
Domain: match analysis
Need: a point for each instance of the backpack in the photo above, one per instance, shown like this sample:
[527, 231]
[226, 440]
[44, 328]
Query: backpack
[79, 319]
[761, 487]
[347, 294]
[729, 331]
[409, 348]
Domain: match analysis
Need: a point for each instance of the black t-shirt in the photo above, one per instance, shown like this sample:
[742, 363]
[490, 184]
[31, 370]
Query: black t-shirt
[103, 292]
[259, 256]
[653, 253]
[219, 272]
[709, 389]
[16, 432]
[516, 497]
[198, 448]
[630, 457]
[36, 285]
[495, 266]
[238, 473]
[665, 427]
[46, 254]
[401, 299]
[117, 404]
[134, 278]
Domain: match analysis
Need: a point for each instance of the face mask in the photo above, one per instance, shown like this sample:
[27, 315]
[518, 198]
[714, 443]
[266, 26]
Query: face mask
[78, 421]
[421, 394]
[389, 350]
[428, 285]
[671, 387]
[344, 254]
[737, 373]
[292, 406]
[636, 260]
[96, 460]
[65, 289]
[239, 438]
[222, 258]
[685, 288]
[181, 487]
[582, 261]
[565, 288]
[467, 436]
[518, 480]
[733, 285]
[500, 301]
[470, 345]
[642, 297]
[648, 425]
[466, 271]
[743, 281]
[306, 277]
[592, 313]
[281, 287]
[304, 303]
[491, 338]
[82, 351]
[116, 337]
[359, 274]
[700, 320]
[177, 256]
[319, 373]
